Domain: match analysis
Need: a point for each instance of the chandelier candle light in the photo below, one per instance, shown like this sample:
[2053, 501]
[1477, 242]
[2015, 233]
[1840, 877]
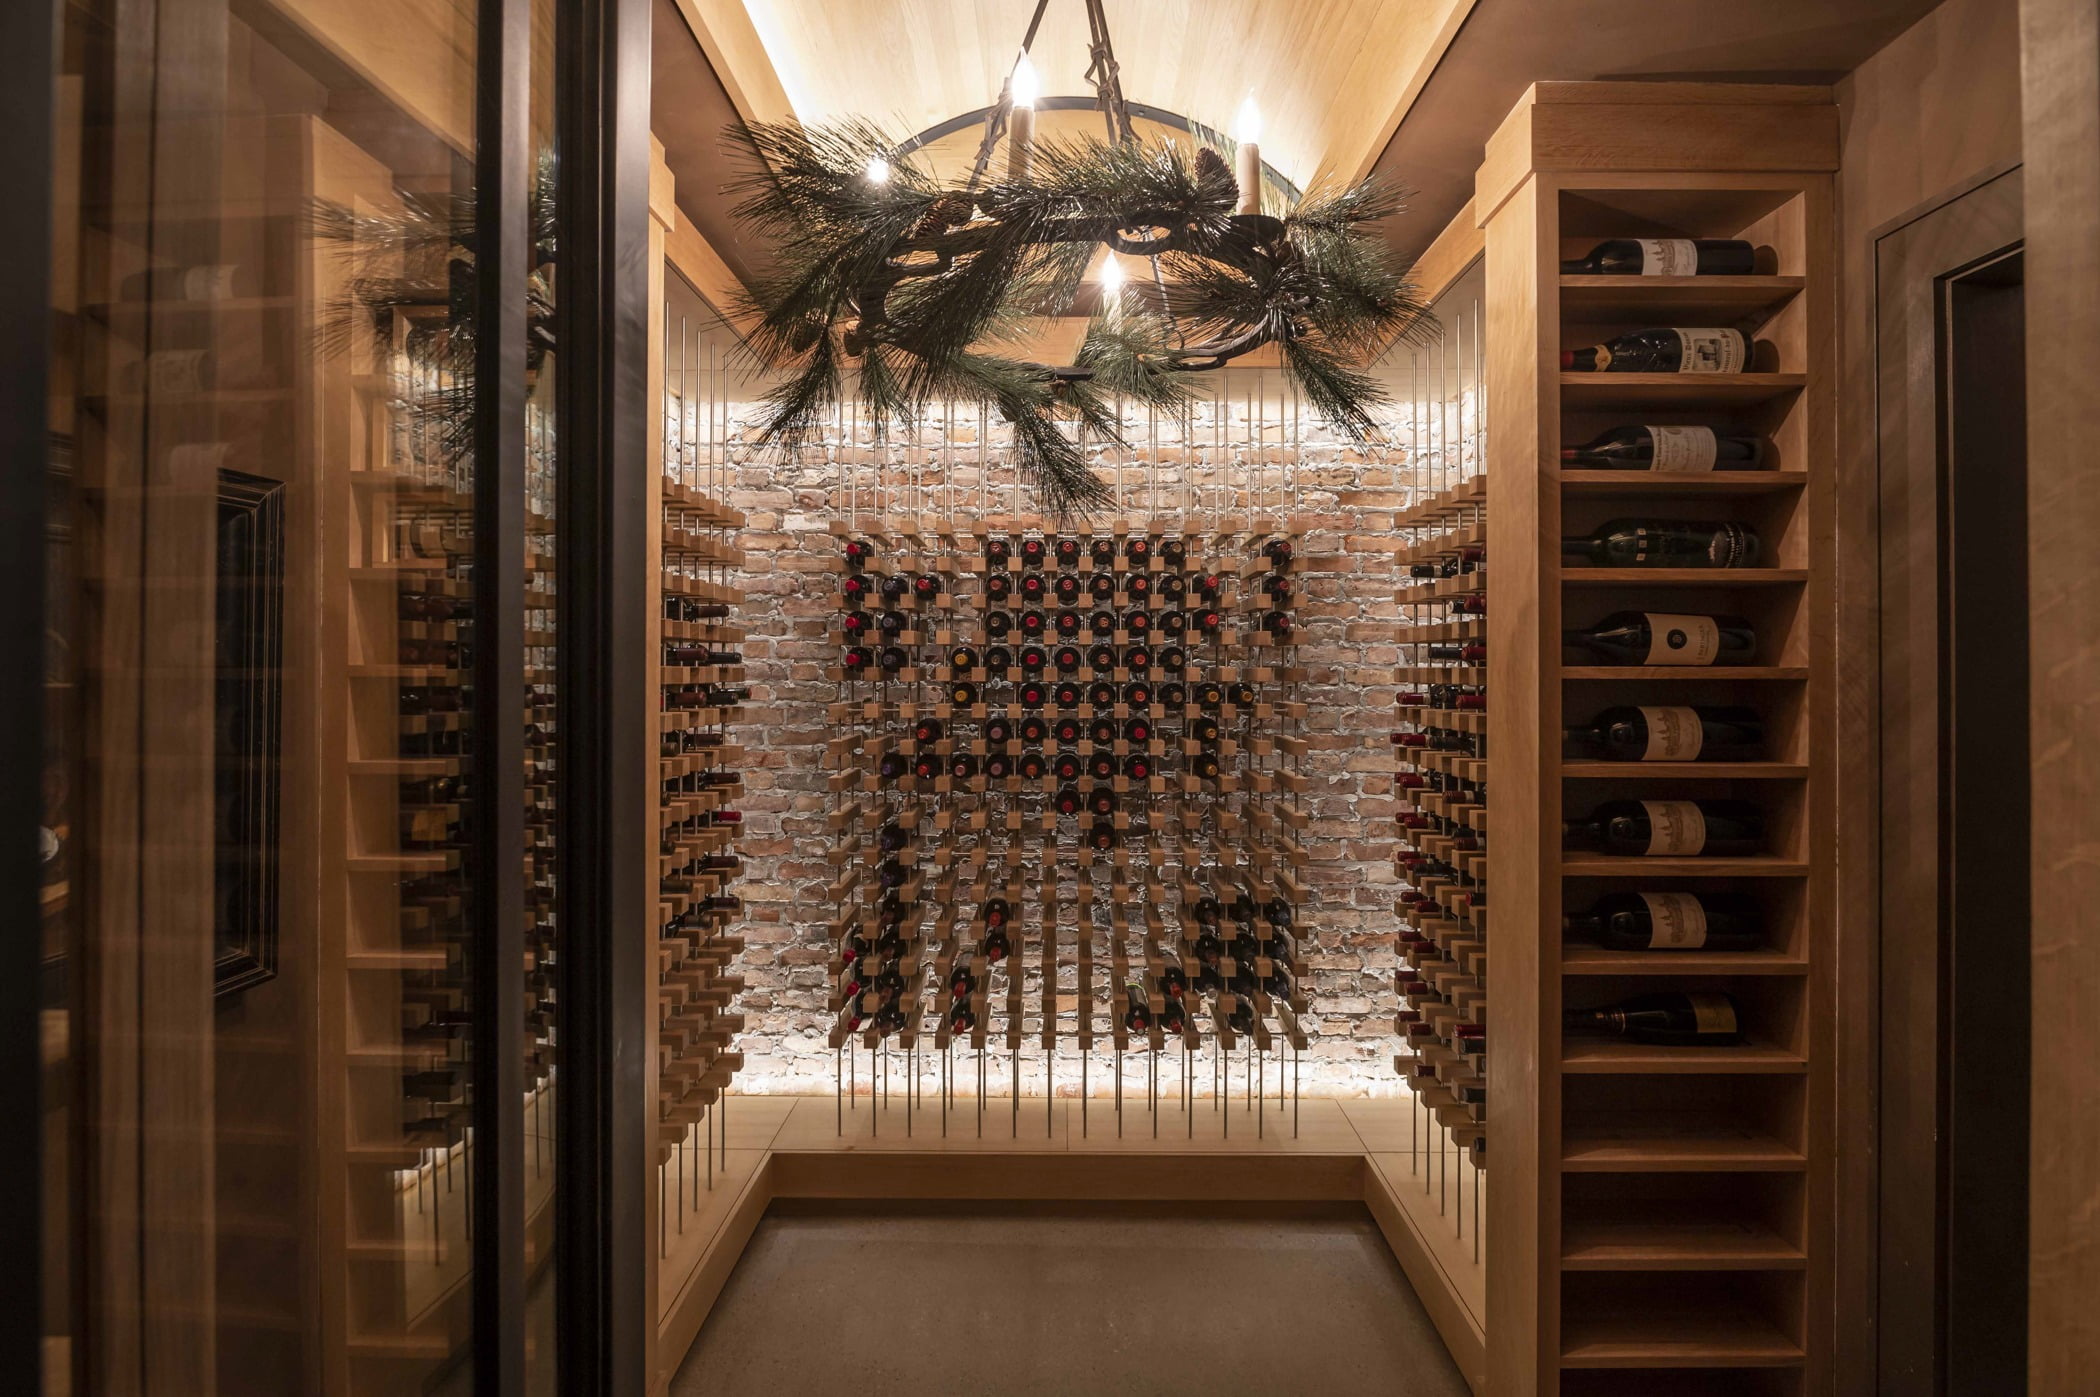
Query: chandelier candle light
[886, 271]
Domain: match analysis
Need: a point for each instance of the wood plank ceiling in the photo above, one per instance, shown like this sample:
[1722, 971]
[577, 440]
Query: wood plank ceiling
[1333, 77]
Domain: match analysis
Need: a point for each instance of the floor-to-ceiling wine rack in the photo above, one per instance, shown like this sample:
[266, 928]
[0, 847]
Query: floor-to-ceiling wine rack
[1667, 1208]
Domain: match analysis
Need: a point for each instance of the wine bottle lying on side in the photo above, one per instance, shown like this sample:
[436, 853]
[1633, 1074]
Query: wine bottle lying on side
[1670, 829]
[1671, 1018]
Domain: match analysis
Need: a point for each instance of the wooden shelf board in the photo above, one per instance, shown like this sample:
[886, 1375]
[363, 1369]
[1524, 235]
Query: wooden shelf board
[1580, 865]
[1708, 771]
[1665, 1145]
[1664, 1243]
[1610, 1056]
[1596, 960]
[1672, 298]
[1582, 482]
[1683, 577]
[1731, 673]
[1610, 390]
[1660, 1339]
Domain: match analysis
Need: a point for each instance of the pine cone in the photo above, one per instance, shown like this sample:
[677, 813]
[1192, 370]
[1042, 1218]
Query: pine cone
[1214, 176]
[948, 211]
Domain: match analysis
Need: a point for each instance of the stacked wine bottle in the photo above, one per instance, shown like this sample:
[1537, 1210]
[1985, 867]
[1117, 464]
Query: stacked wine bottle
[1440, 790]
[1067, 739]
[702, 690]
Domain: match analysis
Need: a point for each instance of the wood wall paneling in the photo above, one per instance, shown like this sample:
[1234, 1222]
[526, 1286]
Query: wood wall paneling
[2060, 48]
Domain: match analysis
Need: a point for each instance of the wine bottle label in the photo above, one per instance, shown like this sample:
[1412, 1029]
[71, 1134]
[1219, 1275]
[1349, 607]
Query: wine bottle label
[1711, 351]
[1668, 257]
[1684, 448]
[1712, 1013]
[1676, 921]
[1675, 734]
[1674, 639]
[1676, 828]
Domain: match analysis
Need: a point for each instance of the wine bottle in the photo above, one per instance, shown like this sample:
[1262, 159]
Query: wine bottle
[1101, 694]
[1670, 828]
[1032, 624]
[1138, 659]
[1138, 548]
[1172, 587]
[1033, 729]
[1137, 1012]
[1174, 552]
[894, 588]
[1102, 836]
[1675, 733]
[961, 983]
[998, 587]
[1102, 551]
[1031, 588]
[1067, 553]
[1279, 552]
[1067, 767]
[962, 1018]
[1066, 695]
[1137, 766]
[1666, 257]
[1667, 638]
[1138, 694]
[893, 659]
[998, 660]
[998, 623]
[1033, 658]
[1669, 449]
[962, 694]
[1067, 590]
[859, 553]
[1138, 623]
[926, 586]
[1032, 552]
[1173, 659]
[1670, 1018]
[1102, 587]
[1101, 766]
[1666, 543]
[1670, 921]
[1663, 351]
[1031, 694]
[962, 659]
[997, 551]
[1137, 586]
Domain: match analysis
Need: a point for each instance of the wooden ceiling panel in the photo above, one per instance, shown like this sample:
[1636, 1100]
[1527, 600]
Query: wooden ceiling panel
[1332, 77]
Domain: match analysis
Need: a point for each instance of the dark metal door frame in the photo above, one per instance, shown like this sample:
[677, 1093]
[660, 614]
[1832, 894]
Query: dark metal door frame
[602, 102]
[28, 38]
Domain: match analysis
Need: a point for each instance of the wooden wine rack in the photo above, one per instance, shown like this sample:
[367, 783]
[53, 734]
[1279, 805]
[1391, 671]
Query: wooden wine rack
[1179, 838]
[1661, 1221]
[1440, 793]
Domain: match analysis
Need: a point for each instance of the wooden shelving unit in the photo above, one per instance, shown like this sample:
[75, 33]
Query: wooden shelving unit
[1661, 1221]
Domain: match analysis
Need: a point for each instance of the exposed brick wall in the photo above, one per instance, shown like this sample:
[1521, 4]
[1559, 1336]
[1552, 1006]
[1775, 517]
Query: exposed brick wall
[1342, 498]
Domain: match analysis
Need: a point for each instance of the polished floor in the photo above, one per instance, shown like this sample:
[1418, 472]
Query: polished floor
[875, 1299]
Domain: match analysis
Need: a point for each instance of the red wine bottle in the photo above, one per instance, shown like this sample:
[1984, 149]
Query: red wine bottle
[1663, 351]
[1670, 1018]
[1102, 551]
[1670, 828]
[1670, 921]
[1668, 449]
[1666, 257]
[1067, 552]
[1677, 733]
[1666, 638]
[1666, 543]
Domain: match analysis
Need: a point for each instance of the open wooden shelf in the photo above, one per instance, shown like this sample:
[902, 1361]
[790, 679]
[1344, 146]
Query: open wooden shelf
[1596, 960]
[1661, 1144]
[1583, 865]
[1577, 483]
[1655, 1240]
[1583, 769]
[1593, 392]
[1744, 673]
[1645, 1059]
[1686, 1339]
[1724, 300]
[1682, 577]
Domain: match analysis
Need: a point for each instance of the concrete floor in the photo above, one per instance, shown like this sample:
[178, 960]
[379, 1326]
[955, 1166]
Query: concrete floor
[872, 1299]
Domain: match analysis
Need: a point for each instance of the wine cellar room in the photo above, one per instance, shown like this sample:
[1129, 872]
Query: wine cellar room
[740, 696]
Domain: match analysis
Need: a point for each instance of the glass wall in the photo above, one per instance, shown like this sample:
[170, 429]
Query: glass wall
[297, 837]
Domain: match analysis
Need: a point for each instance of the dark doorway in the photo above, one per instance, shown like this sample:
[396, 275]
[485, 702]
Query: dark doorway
[1984, 924]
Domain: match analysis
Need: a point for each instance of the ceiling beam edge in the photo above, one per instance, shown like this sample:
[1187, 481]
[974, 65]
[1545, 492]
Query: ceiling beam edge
[724, 31]
[1454, 18]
